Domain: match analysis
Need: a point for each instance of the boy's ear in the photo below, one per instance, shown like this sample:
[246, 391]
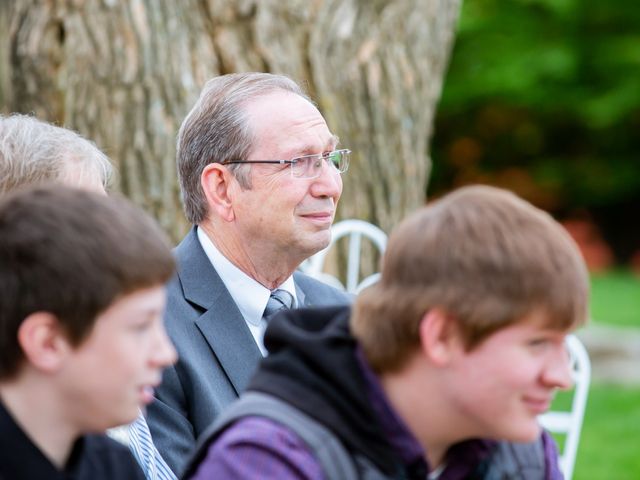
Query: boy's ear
[43, 341]
[439, 336]
[216, 181]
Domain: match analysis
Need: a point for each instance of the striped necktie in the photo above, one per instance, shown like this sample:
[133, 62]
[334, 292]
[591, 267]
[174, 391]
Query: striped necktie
[278, 300]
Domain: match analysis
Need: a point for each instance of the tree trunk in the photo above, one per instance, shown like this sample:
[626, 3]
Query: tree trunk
[5, 75]
[125, 73]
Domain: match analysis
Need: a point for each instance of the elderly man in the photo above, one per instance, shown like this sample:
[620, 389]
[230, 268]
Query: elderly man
[260, 177]
[35, 152]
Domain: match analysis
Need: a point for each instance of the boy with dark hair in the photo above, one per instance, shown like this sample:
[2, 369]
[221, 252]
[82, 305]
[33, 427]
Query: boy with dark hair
[34, 152]
[440, 370]
[82, 344]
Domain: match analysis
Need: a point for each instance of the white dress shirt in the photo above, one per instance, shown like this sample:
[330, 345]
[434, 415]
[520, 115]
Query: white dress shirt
[250, 296]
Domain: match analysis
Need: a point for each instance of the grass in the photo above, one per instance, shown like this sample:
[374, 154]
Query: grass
[615, 298]
[610, 437]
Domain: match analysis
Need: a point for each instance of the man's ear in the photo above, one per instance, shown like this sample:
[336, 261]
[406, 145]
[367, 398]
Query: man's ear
[217, 182]
[439, 337]
[43, 341]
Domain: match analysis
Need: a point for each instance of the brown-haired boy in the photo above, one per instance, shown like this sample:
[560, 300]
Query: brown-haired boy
[441, 369]
[81, 337]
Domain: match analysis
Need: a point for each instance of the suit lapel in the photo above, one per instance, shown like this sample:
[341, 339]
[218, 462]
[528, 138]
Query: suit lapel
[222, 324]
[307, 295]
[227, 334]
[301, 297]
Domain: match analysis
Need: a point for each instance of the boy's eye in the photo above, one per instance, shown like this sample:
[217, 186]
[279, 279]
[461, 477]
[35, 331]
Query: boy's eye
[538, 342]
[143, 326]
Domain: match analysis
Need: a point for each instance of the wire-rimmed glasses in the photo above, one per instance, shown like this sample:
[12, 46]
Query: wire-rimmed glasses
[309, 166]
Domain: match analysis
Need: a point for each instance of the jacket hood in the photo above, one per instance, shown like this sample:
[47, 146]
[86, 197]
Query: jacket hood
[312, 365]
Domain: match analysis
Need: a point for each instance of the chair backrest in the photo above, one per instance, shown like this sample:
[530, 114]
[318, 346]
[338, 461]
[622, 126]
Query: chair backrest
[569, 422]
[355, 230]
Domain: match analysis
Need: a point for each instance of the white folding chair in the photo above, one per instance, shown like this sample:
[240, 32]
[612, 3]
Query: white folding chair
[355, 230]
[569, 423]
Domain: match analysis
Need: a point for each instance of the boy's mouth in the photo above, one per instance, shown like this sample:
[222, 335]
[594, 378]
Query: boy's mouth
[147, 394]
[538, 405]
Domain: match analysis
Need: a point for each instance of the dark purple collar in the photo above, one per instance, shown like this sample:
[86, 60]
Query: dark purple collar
[461, 459]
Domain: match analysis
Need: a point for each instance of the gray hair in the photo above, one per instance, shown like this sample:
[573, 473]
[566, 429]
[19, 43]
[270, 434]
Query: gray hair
[34, 152]
[216, 130]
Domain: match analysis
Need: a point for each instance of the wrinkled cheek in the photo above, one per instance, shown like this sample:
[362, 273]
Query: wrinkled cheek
[257, 216]
[262, 219]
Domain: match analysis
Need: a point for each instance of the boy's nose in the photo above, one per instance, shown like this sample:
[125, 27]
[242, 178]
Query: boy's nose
[559, 372]
[164, 353]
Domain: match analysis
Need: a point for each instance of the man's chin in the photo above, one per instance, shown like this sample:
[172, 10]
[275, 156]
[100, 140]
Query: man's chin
[322, 240]
[314, 243]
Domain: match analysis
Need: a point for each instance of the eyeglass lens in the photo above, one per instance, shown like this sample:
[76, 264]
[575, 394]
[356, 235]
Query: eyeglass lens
[311, 165]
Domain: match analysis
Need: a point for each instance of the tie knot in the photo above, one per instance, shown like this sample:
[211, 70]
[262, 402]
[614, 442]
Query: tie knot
[278, 300]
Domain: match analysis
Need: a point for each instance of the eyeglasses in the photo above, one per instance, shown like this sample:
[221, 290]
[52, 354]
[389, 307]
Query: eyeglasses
[309, 166]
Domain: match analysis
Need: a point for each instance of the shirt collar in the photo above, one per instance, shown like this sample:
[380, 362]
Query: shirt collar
[250, 296]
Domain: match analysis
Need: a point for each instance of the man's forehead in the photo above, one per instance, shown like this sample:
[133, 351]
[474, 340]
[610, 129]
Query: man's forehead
[312, 147]
[287, 124]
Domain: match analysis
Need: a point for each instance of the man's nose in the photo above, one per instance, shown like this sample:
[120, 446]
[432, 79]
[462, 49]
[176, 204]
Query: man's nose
[328, 183]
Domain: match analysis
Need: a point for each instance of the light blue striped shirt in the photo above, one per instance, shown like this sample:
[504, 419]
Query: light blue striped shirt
[142, 447]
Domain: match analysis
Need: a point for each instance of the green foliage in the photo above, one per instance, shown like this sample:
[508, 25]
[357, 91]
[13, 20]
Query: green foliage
[615, 299]
[542, 97]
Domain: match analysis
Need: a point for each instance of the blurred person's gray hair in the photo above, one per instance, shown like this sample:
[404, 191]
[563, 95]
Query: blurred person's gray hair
[34, 152]
[217, 130]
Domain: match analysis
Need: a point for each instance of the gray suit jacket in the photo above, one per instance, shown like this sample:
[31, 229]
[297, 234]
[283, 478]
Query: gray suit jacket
[217, 354]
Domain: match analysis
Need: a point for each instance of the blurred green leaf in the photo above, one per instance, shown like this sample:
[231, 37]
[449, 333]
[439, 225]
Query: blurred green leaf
[549, 86]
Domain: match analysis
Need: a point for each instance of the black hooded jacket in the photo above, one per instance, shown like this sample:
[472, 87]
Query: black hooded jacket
[313, 365]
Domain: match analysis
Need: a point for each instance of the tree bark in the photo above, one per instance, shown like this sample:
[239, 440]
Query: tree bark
[125, 73]
[5, 74]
